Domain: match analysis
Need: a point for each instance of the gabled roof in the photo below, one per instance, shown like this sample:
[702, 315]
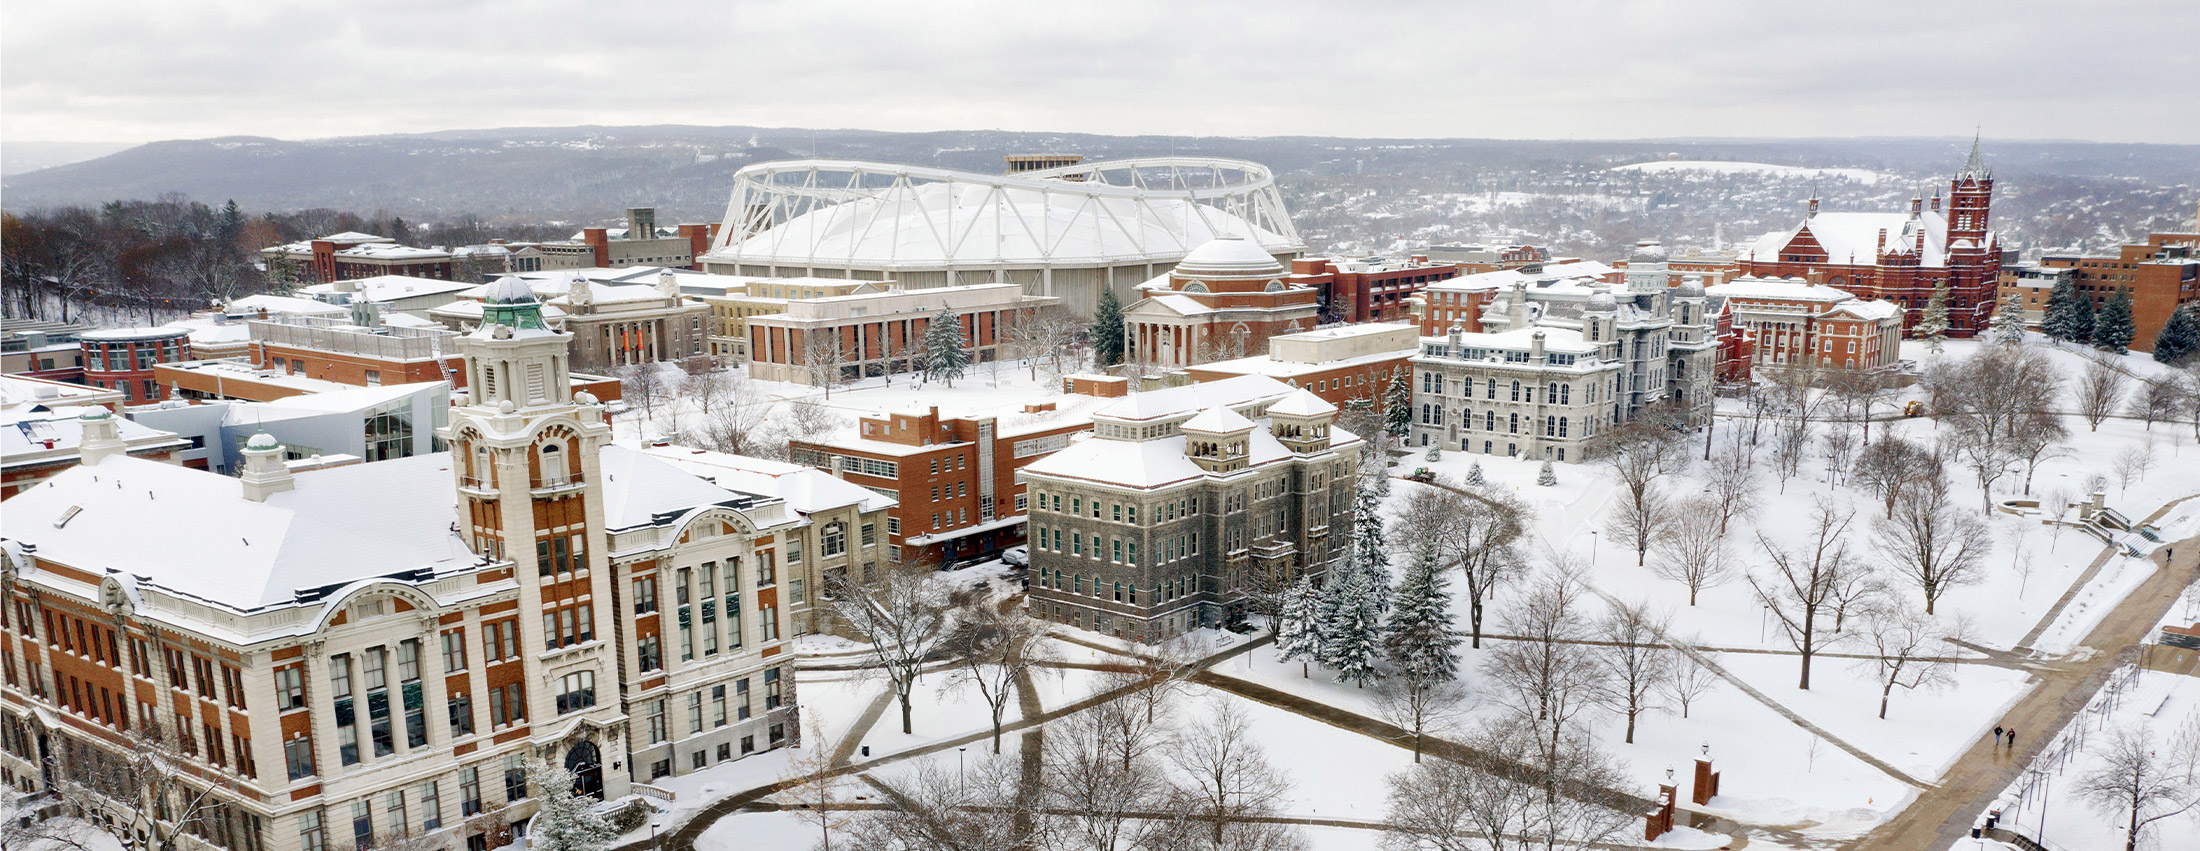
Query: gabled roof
[1854, 237]
[1217, 420]
[1302, 404]
[1174, 401]
[806, 489]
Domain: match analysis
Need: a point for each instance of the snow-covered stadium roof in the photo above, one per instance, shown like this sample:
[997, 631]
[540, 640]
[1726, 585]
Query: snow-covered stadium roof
[849, 214]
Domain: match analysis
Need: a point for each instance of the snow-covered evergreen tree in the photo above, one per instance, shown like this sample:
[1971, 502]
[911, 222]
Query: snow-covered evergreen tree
[944, 355]
[1107, 330]
[1398, 405]
[2112, 330]
[1419, 638]
[2009, 321]
[1353, 639]
[2069, 314]
[2179, 336]
[564, 820]
[1435, 452]
[1546, 476]
[1370, 556]
[1298, 625]
[1474, 475]
[1932, 325]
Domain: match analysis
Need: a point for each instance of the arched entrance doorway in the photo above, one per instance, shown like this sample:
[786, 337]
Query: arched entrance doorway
[587, 767]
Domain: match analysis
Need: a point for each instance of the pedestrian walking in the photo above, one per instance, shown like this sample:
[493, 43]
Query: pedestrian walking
[1997, 735]
[2012, 737]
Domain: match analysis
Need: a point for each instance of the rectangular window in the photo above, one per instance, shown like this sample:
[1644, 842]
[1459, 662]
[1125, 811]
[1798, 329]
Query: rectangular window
[695, 713]
[454, 651]
[645, 595]
[657, 731]
[515, 778]
[771, 689]
[741, 699]
[649, 654]
[408, 660]
[431, 807]
[298, 757]
[290, 688]
[469, 791]
[362, 823]
[394, 811]
[312, 836]
[462, 715]
[768, 617]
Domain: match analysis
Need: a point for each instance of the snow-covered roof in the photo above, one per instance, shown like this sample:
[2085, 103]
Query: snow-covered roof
[637, 488]
[391, 251]
[1229, 256]
[383, 288]
[281, 304]
[1854, 237]
[193, 532]
[22, 390]
[1217, 420]
[355, 236]
[1175, 401]
[1875, 309]
[893, 216]
[343, 401]
[1302, 404]
[1784, 289]
[1148, 464]
[24, 431]
[1555, 339]
[807, 490]
[1268, 365]
[1180, 305]
[1575, 272]
[125, 334]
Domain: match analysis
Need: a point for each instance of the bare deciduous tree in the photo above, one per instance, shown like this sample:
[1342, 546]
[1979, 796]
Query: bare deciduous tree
[1100, 791]
[977, 806]
[1482, 533]
[2100, 391]
[2038, 440]
[1929, 542]
[1732, 476]
[1423, 706]
[2141, 781]
[1798, 586]
[1548, 676]
[1693, 550]
[1835, 446]
[1641, 522]
[1690, 682]
[1636, 661]
[2131, 465]
[815, 788]
[994, 648]
[1905, 646]
[2160, 398]
[1223, 777]
[642, 384]
[823, 356]
[705, 388]
[1985, 399]
[1638, 453]
[153, 791]
[904, 616]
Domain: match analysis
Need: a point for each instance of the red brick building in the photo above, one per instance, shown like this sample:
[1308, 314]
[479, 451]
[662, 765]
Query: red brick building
[2162, 274]
[1224, 300]
[954, 477]
[1793, 322]
[1338, 364]
[1367, 289]
[1900, 256]
[123, 359]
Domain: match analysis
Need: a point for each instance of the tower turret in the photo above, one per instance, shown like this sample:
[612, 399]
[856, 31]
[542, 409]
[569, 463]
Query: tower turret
[1301, 422]
[1219, 440]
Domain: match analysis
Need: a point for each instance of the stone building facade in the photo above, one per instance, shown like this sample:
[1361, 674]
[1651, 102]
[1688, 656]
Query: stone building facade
[1184, 501]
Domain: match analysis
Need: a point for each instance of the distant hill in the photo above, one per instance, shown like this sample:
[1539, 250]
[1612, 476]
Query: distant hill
[23, 157]
[572, 174]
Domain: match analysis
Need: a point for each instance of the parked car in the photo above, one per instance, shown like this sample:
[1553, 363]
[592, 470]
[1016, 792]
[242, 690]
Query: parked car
[1016, 556]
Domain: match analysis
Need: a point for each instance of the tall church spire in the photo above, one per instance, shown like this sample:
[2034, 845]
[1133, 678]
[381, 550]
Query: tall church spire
[1975, 167]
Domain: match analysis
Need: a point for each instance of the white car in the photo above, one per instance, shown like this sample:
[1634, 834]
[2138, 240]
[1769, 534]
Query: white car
[1016, 556]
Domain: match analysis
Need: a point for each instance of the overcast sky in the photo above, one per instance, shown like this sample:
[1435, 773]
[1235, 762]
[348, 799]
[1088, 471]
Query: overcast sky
[116, 70]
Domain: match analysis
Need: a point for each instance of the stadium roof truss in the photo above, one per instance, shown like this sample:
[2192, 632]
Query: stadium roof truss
[865, 214]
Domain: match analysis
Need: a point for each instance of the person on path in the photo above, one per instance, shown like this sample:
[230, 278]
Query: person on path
[1997, 735]
[2012, 737]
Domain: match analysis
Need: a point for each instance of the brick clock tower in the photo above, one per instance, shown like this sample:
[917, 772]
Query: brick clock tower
[1974, 260]
[524, 451]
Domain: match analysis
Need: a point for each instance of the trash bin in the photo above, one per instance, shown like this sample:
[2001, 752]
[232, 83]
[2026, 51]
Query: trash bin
[1975, 833]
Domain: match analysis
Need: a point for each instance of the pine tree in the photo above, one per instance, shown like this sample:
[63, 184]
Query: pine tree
[1370, 556]
[1932, 325]
[1474, 475]
[944, 355]
[1398, 405]
[2069, 314]
[2112, 330]
[1298, 625]
[1546, 476]
[1352, 641]
[2178, 338]
[403, 234]
[1435, 452]
[1419, 637]
[564, 820]
[2009, 321]
[1107, 330]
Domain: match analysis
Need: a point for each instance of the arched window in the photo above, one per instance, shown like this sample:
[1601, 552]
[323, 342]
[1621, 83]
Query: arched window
[1565, 394]
[1274, 285]
[1516, 391]
[1195, 287]
[553, 465]
[1550, 426]
[1513, 424]
[1489, 421]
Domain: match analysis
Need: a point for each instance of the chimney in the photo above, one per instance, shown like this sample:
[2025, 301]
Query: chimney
[102, 438]
[265, 474]
[599, 239]
[1882, 239]
[1535, 347]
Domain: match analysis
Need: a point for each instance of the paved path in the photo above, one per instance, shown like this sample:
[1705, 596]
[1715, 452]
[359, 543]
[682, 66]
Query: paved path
[1944, 814]
[862, 727]
[2047, 621]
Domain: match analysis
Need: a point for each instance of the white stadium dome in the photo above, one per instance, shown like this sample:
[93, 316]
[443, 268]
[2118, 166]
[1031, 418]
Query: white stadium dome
[1064, 232]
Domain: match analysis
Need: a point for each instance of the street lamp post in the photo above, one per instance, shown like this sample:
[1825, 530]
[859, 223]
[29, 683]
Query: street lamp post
[959, 768]
[1592, 546]
[653, 833]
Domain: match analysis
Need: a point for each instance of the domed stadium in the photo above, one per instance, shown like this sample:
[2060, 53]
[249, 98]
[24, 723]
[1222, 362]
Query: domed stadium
[1067, 231]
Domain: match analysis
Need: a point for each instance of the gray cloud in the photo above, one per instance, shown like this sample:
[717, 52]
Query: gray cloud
[2117, 70]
